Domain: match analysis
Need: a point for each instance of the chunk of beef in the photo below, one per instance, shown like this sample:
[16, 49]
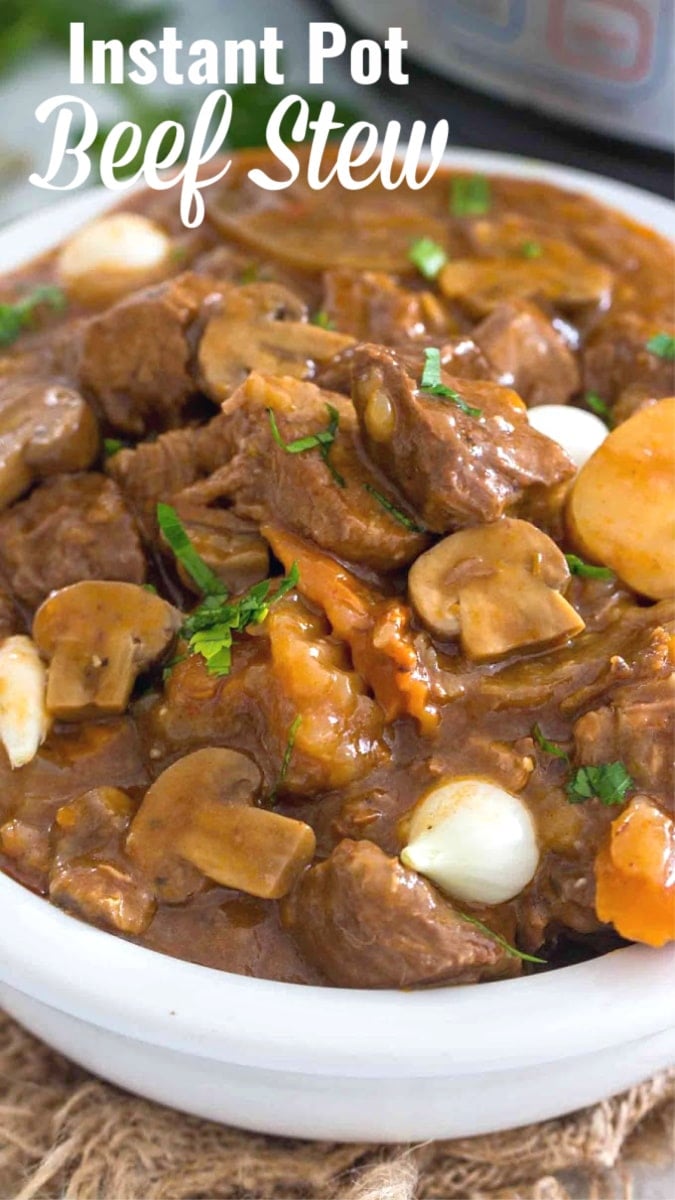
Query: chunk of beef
[527, 353]
[455, 468]
[367, 921]
[70, 528]
[162, 469]
[90, 874]
[261, 327]
[10, 621]
[71, 762]
[135, 358]
[329, 502]
[616, 361]
[374, 308]
[460, 356]
[636, 728]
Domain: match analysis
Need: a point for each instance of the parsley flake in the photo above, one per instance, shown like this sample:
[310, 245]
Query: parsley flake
[322, 319]
[586, 570]
[662, 345]
[548, 747]
[430, 384]
[177, 537]
[531, 250]
[599, 406]
[470, 196]
[112, 446]
[321, 441]
[427, 256]
[16, 317]
[607, 783]
[513, 951]
[393, 511]
[286, 760]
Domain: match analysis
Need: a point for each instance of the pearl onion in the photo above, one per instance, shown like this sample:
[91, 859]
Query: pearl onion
[112, 256]
[474, 840]
[577, 431]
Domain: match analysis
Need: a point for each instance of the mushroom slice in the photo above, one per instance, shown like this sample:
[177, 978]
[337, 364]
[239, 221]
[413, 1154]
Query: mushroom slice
[497, 587]
[199, 818]
[99, 636]
[45, 428]
[262, 327]
[562, 276]
[112, 256]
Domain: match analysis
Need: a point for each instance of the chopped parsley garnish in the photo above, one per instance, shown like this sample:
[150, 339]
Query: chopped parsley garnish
[470, 197]
[599, 407]
[16, 317]
[322, 319]
[321, 441]
[427, 256]
[513, 951]
[662, 345]
[176, 535]
[607, 782]
[209, 629]
[430, 383]
[531, 250]
[112, 446]
[250, 274]
[586, 570]
[286, 760]
[393, 511]
[547, 746]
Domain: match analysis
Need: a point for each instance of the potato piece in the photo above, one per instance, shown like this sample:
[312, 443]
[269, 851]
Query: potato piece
[113, 256]
[621, 509]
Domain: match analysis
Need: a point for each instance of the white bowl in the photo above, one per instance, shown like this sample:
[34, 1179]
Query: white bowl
[322, 1062]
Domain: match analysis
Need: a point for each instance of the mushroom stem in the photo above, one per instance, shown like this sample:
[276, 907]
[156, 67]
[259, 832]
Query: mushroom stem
[251, 849]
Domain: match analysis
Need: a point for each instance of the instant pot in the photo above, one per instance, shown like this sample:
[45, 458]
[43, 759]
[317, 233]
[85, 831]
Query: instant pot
[608, 65]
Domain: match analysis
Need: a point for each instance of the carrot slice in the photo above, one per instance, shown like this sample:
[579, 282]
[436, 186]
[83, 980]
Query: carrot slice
[635, 874]
[376, 628]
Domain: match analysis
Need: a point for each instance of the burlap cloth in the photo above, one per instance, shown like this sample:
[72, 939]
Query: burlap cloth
[67, 1136]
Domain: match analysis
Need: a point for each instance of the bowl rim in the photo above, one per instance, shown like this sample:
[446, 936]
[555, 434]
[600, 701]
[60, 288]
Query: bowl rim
[105, 980]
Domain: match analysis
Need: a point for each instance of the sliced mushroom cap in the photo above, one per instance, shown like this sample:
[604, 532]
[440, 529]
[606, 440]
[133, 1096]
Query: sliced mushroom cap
[45, 428]
[199, 819]
[113, 256]
[561, 275]
[99, 636]
[230, 546]
[498, 587]
[262, 327]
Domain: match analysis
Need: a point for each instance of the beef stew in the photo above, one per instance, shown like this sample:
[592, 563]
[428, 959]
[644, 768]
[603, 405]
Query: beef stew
[318, 661]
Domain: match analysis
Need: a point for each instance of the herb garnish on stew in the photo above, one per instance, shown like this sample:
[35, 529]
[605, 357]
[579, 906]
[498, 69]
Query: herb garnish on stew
[547, 746]
[430, 383]
[428, 257]
[586, 570]
[393, 511]
[470, 197]
[286, 760]
[209, 629]
[662, 345]
[512, 951]
[112, 446]
[322, 319]
[321, 441]
[607, 782]
[599, 407]
[531, 250]
[16, 317]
